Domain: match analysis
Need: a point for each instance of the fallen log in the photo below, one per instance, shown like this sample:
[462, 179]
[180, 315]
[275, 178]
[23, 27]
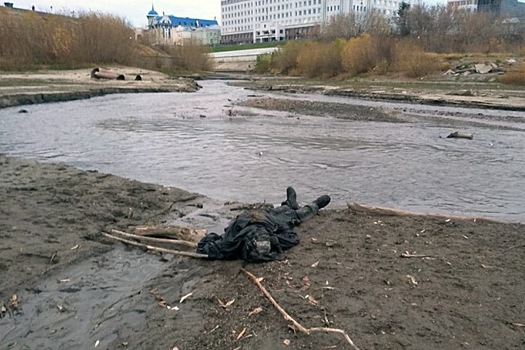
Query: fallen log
[156, 249]
[157, 240]
[98, 73]
[170, 232]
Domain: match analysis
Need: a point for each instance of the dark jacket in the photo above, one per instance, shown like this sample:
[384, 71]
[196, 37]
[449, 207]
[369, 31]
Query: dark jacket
[255, 236]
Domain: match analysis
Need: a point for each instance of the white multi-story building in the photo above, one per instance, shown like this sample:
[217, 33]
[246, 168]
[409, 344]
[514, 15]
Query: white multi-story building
[245, 21]
[507, 8]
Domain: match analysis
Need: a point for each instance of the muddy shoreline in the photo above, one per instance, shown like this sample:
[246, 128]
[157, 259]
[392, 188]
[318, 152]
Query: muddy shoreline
[60, 86]
[439, 92]
[348, 272]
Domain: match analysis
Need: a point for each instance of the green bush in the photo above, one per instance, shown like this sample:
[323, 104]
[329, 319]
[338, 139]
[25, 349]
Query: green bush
[263, 65]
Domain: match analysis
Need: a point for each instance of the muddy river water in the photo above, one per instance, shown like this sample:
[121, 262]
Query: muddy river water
[188, 140]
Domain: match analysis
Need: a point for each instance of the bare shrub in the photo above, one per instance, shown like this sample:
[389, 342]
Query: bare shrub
[363, 54]
[263, 65]
[443, 29]
[316, 59]
[284, 60]
[103, 38]
[515, 76]
[373, 23]
[350, 25]
[189, 57]
[340, 26]
[475, 32]
[358, 55]
[413, 62]
[30, 38]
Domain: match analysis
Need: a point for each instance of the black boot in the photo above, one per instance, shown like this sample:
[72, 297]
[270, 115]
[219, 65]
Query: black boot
[322, 201]
[291, 198]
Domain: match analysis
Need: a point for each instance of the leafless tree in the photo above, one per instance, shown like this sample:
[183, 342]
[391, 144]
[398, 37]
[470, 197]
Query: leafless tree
[340, 26]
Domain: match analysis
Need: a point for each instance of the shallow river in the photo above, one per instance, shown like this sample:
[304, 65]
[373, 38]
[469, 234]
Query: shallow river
[188, 141]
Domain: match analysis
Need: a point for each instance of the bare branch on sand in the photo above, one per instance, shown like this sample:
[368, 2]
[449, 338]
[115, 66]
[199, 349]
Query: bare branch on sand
[296, 324]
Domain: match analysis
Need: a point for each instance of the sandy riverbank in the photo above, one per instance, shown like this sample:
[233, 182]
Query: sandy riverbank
[466, 290]
[54, 86]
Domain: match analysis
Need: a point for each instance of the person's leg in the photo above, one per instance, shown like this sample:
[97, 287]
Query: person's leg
[311, 209]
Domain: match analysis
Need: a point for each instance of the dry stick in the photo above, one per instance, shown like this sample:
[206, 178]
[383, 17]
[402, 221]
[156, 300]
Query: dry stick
[296, 324]
[155, 239]
[408, 255]
[152, 230]
[157, 249]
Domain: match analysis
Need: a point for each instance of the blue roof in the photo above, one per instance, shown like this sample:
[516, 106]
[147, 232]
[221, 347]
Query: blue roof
[153, 12]
[188, 22]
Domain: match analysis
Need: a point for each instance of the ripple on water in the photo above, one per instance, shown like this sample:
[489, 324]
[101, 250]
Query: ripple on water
[255, 155]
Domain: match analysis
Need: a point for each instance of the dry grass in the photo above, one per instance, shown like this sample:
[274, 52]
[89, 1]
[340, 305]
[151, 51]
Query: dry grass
[514, 76]
[413, 62]
[435, 37]
[359, 55]
[188, 57]
[369, 53]
[284, 61]
[31, 39]
[317, 59]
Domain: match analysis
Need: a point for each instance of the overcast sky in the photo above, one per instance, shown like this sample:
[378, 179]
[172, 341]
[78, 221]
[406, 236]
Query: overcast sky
[134, 11]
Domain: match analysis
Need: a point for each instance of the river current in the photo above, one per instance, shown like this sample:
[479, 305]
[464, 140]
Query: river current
[188, 140]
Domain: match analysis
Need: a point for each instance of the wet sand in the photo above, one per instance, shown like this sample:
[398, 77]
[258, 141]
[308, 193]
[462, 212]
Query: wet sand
[465, 290]
[391, 280]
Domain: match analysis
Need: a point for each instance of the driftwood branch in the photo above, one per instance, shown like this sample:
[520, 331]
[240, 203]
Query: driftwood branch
[156, 240]
[408, 255]
[156, 249]
[296, 324]
[170, 232]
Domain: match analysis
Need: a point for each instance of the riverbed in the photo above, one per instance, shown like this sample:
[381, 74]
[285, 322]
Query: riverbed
[206, 142]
